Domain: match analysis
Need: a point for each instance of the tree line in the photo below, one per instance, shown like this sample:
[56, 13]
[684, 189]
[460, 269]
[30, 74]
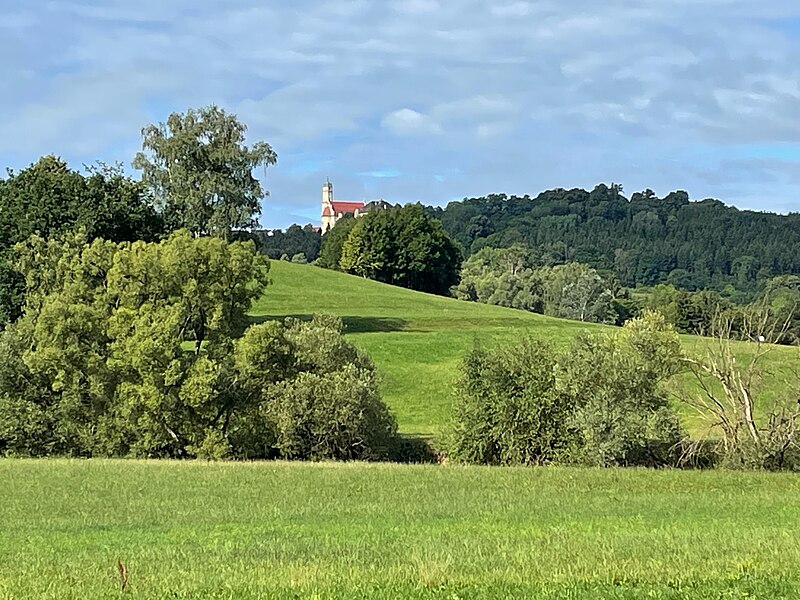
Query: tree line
[196, 174]
[643, 240]
[572, 254]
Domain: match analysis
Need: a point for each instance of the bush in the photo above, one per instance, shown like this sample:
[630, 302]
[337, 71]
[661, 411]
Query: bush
[615, 384]
[324, 401]
[508, 410]
[600, 403]
[334, 415]
[131, 350]
[299, 258]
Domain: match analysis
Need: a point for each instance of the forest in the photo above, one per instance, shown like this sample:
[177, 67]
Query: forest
[643, 240]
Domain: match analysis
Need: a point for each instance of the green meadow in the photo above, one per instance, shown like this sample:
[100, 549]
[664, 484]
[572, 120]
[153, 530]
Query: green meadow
[417, 340]
[323, 530]
[354, 530]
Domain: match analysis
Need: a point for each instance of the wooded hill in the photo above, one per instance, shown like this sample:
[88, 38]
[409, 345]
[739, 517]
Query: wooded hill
[643, 240]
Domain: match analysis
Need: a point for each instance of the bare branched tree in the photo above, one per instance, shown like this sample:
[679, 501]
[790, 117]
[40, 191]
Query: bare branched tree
[729, 377]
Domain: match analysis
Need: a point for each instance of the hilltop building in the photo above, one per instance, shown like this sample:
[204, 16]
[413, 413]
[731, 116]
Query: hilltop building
[333, 210]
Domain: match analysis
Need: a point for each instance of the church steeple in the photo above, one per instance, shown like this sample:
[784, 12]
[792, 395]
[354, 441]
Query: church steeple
[328, 215]
[327, 193]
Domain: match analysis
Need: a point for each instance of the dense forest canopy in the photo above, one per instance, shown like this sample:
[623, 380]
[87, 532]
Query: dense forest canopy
[643, 240]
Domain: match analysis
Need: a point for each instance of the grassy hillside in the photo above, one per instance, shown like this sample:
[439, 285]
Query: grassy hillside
[417, 340]
[278, 530]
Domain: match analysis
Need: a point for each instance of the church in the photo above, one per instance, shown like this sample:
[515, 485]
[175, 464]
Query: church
[333, 210]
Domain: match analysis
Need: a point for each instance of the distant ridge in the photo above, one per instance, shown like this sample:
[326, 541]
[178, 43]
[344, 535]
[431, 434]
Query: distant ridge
[642, 240]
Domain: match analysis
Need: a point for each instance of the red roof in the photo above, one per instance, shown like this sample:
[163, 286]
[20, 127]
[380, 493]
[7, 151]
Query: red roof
[326, 212]
[346, 207]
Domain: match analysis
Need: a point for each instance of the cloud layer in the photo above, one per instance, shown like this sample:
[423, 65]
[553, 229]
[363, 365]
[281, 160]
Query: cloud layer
[424, 99]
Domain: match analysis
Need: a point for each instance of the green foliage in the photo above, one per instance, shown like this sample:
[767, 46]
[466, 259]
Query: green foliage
[506, 277]
[12, 289]
[508, 410]
[404, 247]
[48, 199]
[517, 277]
[132, 350]
[692, 312]
[576, 291]
[201, 173]
[601, 403]
[314, 392]
[333, 415]
[331, 251]
[782, 297]
[295, 240]
[616, 385]
[103, 336]
[777, 300]
[645, 240]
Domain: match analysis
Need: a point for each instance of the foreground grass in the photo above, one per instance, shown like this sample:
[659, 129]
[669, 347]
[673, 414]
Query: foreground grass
[417, 340]
[279, 530]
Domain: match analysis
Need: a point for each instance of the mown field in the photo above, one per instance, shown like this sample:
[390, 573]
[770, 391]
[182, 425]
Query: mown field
[294, 530]
[278, 530]
[417, 340]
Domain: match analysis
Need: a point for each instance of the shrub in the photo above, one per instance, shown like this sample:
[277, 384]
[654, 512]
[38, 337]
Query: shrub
[508, 409]
[334, 415]
[601, 403]
[131, 350]
[615, 383]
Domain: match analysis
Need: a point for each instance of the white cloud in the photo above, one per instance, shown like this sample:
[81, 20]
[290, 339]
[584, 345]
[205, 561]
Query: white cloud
[410, 122]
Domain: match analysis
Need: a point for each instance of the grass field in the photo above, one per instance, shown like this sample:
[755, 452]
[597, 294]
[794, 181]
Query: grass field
[417, 340]
[278, 530]
[282, 530]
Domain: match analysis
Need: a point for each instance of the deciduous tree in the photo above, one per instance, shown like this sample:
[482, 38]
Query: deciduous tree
[200, 171]
[48, 198]
[404, 247]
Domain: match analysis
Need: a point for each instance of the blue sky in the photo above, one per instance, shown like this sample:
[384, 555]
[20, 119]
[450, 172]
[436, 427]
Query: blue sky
[425, 100]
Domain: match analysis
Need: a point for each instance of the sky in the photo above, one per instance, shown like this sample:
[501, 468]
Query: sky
[424, 100]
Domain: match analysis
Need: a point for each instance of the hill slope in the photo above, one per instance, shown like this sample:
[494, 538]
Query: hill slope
[417, 340]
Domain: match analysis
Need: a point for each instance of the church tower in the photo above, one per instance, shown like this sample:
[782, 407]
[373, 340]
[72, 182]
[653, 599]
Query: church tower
[328, 216]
